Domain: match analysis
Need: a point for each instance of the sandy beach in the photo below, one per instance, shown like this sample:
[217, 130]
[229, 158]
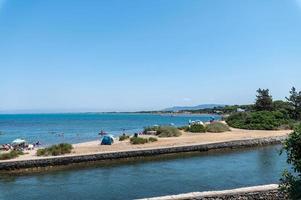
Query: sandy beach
[185, 139]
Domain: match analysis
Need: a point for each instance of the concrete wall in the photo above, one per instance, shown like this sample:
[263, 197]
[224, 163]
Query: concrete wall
[71, 159]
[266, 192]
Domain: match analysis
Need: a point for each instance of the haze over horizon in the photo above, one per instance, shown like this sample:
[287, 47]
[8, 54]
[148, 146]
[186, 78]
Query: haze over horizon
[99, 56]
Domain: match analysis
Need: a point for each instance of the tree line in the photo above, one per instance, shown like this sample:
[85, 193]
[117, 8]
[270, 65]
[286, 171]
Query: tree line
[264, 102]
[267, 114]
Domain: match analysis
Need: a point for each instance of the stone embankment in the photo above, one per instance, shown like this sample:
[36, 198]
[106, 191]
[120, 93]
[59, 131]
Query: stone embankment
[266, 192]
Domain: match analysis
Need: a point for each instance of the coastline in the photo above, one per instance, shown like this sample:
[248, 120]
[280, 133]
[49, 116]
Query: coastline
[185, 139]
[45, 163]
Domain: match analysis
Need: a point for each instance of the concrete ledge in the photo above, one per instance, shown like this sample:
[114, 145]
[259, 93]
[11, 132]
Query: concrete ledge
[72, 159]
[269, 192]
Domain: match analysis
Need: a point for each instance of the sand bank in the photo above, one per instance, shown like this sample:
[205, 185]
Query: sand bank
[186, 139]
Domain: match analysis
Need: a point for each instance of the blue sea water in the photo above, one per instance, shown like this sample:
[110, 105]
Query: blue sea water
[148, 178]
[73, 128]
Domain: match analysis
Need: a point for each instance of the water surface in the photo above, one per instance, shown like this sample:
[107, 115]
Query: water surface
[206, 171]
[49, 128]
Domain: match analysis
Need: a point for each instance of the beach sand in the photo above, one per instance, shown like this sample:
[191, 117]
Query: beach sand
[185, 139]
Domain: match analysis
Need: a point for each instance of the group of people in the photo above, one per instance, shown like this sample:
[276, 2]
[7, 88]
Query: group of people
[21, 146]
[6, 147]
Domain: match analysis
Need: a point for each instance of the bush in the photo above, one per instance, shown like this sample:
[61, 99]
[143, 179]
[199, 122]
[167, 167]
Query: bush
[168, 131]
[123, 137]
[10, 155]
[291, 182]
[151, 128]
[261, 120]
[184, 128]
[196, 128]
[217, 127]
[152, 139]
[55, 150]
[164, 131]
[138, 140]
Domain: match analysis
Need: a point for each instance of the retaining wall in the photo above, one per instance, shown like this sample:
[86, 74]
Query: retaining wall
[266, 192]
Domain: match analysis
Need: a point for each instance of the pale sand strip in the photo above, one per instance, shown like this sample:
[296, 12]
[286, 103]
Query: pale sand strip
[192, 195]
[93, 147]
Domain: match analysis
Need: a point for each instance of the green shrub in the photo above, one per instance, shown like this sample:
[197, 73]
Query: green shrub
[10, 155]
[152, 139]
[184, 128]
[123, 137]
[291, 125]
[55, 150]
[291, 182]
[164, 131]
[168, 131]
[41, 152]
[138, 140]
[217, 127]
[151, 128]
[261, 120]
[196, 128]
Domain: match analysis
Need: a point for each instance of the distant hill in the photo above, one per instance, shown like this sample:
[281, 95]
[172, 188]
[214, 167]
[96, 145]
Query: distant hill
[199, 107]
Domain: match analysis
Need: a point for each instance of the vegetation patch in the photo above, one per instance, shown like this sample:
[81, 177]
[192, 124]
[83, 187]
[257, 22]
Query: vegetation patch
[10, 155]
[267, 114]
[55, 150]
[163, 131]
[141, 140]
[291, 182]
[152, 139]
[217, 127]
[259, 120]
[184, 128]
[196, 128]
[123, 137]
[138, 140]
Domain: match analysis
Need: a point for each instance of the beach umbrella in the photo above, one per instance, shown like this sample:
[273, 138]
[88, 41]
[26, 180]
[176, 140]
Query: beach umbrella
[18, 141]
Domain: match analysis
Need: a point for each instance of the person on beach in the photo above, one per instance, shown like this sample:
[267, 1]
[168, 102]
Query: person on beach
[102, 133]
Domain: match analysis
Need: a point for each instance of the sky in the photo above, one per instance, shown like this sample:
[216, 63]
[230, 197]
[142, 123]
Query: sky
[130, 55]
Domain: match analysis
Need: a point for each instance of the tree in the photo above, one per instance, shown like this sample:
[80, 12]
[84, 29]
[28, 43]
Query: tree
[264, 101]
[280, 105]
[295, 102]
[291, 182]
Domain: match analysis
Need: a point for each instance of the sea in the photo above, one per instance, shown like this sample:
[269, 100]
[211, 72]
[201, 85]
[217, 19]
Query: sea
[81, 127]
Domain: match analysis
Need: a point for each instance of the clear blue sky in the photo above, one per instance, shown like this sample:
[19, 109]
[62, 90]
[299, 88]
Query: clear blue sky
[126, 55]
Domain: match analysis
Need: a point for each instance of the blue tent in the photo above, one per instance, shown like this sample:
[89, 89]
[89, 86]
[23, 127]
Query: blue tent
[107, 140]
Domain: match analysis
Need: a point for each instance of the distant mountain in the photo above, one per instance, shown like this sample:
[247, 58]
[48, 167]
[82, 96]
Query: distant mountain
[199, 107]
